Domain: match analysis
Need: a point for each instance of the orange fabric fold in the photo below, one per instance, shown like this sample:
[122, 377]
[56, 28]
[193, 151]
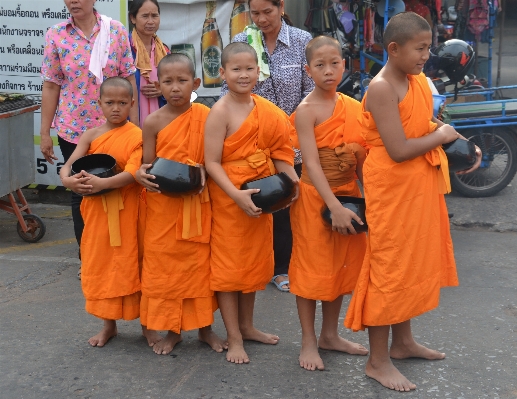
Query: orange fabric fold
[177, 314]
[338, 164]
[409, 255]
[125, 307]
[192, 210]
[111, 271]
[241, 256]
[113, 204]
[177, 231]
[325, 264]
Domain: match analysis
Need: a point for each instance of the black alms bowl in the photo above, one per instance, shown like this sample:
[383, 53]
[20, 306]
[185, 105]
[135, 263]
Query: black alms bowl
[175, 178]
[356, 205]
[100, 165]
[461, 154]
[276, 192]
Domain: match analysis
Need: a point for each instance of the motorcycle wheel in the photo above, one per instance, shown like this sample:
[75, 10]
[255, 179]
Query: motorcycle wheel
[498, 165]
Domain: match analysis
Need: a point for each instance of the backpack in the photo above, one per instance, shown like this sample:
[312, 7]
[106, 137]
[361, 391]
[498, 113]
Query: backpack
[478, 17]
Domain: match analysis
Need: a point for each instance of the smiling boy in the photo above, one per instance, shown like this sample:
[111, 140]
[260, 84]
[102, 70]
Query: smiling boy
[246, 138]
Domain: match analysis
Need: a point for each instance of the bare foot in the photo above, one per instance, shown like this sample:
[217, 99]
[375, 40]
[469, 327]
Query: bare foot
[414, 349]
[387, 375]
[309, 357]
[108, 331]
[152, 336]
[209, 337]
[256, 335]
[167, 344]
[236, 353]
[342, 345]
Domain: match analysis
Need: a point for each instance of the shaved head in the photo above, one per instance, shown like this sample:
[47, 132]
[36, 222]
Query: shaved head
[236, 48]
[403, 27]
[117, 82]
[319, 42]
[175, 58]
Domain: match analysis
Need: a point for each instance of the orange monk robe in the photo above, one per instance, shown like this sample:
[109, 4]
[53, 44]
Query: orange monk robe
[325, 264]
[409, 255]
[176, 291]
[242, 246]
[109, 271]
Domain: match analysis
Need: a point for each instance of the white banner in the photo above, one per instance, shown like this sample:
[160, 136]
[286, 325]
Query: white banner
[197, 28]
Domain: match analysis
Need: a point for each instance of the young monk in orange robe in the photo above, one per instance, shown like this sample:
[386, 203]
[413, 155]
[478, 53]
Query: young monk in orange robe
[246, 138]
[110, 274]
[409, 255]
[176, 292]
[326, 260]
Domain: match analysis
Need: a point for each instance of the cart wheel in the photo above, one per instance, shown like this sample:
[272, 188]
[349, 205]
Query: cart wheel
[498, 165]
[35, 228]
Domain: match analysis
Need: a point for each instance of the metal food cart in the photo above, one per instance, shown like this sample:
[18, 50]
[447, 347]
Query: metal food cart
[17, 168]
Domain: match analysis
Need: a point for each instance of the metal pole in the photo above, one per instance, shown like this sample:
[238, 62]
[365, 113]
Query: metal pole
[500, 53]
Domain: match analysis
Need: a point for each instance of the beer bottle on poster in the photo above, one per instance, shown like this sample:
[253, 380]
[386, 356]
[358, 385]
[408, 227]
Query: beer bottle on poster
[211, 48]
[240, 18]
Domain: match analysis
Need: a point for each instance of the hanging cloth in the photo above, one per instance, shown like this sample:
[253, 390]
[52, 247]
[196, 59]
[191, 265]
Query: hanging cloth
[143, 61]
[100, 51]
[255, 40]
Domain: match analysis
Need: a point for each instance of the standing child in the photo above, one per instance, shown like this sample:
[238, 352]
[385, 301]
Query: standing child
[247, 138]
[409, 255]
[326, 261]
[110, 273]
[176, 292]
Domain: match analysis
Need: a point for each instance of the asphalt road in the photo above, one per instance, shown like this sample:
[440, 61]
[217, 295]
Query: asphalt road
[44, 330]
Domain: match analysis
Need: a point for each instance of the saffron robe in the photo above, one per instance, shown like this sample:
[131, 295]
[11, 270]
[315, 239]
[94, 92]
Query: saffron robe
[326, 264]
[409, 255]
[241, 246]
[176, 292]
[109, 249]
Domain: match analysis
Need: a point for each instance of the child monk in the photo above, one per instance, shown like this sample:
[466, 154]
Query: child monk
[246, 138]
[409, 256]
[110, 273]
[176, 292]
[326, 260]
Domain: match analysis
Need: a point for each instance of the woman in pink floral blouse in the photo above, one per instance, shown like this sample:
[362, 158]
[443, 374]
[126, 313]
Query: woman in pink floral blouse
[72, 77]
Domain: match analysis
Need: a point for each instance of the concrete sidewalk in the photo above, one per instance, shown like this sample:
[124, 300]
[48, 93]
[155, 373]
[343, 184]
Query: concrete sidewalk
[44, 351]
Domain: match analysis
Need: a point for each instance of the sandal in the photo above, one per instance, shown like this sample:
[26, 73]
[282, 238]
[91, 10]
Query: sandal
[282, 285]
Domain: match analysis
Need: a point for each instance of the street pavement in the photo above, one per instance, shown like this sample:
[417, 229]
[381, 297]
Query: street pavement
[496, 213]
[44, 329]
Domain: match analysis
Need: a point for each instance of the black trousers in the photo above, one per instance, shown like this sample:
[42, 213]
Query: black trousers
[283, 236]
[67, 149]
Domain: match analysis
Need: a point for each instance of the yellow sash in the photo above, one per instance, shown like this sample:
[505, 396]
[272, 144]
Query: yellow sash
[338, 164]
[113, 204]
[192, 207]
[437, 157]
[259, 158]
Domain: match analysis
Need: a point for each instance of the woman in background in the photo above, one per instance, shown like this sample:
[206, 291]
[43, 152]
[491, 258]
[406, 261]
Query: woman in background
[148, 50]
